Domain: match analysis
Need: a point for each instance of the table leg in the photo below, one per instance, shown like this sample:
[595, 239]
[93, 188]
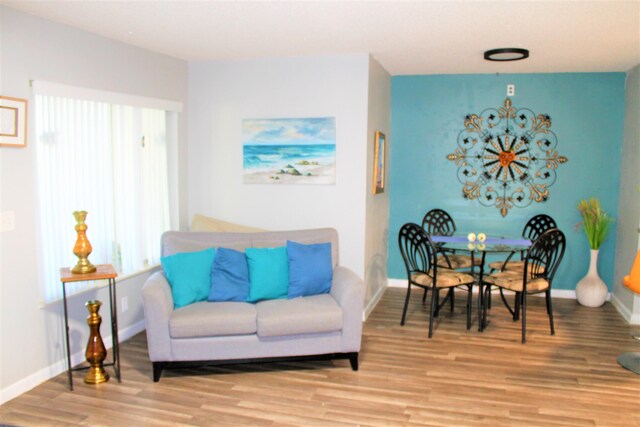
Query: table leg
[481, 294]
[66, 332]
[114, 328]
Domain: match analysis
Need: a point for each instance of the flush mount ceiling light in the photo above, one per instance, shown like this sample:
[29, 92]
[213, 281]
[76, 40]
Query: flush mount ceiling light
[506, 54]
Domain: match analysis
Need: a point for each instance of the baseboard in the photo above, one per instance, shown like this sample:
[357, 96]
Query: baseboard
[630, 317]
[372, 304]
[44, 374]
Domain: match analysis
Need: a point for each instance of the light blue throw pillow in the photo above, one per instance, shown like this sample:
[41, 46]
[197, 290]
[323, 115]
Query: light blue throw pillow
[229, 276]
[268, 273]
[189, 274]
[310, 269]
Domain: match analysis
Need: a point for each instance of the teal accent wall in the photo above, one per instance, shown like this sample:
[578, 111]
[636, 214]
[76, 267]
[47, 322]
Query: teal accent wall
[587, 116]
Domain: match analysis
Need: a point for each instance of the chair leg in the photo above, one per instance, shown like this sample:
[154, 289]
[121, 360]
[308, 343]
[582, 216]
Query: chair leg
[452, 296]
[550, 311]
[435, 295]
[406, 304]
[524, 317]
[516, 310]
[485, 303]
[424, 296]
[434, 309]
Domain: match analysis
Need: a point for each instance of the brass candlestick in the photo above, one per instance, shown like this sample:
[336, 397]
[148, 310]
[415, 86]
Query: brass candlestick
[96, 352]
[82, 248]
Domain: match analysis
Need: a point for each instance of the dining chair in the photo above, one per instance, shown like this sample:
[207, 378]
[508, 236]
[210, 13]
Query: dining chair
[438, 222]
[540, 264]
[532, 229]
[419, 254]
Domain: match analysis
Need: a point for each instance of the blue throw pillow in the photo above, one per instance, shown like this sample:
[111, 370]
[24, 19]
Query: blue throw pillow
[229, 276]
[189, 274]
[310, 269]
[268, 273]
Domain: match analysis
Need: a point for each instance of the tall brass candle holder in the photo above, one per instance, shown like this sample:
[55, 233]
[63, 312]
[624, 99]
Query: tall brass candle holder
[96, 352]
[82, 248]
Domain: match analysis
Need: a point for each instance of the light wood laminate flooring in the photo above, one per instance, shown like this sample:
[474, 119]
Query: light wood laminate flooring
[457, 378]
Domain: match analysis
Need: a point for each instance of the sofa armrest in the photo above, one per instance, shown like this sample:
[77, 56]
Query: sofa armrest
[348, 291]
[157, 302]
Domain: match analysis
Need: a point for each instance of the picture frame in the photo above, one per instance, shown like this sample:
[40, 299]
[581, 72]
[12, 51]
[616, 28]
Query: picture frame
[293, 151]
[379, 160]
[13, 122]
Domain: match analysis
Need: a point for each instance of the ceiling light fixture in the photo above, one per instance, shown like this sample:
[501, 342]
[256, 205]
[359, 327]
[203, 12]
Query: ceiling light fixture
[506, 54]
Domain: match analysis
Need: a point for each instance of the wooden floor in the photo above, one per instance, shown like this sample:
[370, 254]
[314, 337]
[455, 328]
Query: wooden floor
[457, 378]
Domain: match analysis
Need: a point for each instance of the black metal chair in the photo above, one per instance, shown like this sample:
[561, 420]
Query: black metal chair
[540, 264]
[419, 255]
[437, 222]
[532, 229]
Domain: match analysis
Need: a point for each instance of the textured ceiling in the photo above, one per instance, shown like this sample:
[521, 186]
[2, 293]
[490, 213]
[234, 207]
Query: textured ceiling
[425, 37]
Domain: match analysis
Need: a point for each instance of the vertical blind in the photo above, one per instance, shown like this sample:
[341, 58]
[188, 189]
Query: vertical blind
[111, 161]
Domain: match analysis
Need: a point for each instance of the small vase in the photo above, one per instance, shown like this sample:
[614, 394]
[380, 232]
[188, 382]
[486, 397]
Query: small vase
[96, 351]
[82, 248]
[591, 291]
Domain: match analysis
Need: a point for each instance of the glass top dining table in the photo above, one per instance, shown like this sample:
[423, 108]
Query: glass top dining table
[492, 245]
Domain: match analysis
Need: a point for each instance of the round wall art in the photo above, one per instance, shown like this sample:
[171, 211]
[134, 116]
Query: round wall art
[507, 157]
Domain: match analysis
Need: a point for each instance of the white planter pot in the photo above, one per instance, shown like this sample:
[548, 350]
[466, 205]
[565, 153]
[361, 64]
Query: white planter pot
[591, 291]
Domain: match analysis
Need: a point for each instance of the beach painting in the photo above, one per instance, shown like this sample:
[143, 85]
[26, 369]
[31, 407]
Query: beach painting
[289, 151]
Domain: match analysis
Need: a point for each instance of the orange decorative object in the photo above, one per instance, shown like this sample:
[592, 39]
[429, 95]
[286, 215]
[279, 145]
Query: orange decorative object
[506, 158]
[632, 281]
[82, 248]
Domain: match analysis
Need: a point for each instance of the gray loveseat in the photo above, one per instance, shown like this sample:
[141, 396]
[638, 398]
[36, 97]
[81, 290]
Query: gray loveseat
[203, 333]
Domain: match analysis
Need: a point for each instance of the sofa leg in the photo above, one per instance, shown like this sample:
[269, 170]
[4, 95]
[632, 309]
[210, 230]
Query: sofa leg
[157, 371]
[353, 359]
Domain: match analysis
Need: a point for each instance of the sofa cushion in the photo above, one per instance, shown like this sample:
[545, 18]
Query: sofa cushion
[207, 319]
[189, 275]
[229, 276]
[314, 314]
[310, 270]
[268, 273]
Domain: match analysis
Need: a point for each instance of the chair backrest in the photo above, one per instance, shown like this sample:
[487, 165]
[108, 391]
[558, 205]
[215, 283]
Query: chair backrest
[538, 225]
[545, 254]
[437, 222]
[416, 248]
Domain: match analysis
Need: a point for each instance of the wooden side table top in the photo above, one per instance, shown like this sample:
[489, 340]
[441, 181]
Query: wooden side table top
[103, 271]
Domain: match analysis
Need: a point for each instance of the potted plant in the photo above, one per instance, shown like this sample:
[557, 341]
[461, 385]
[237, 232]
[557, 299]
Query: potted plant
[591, 291]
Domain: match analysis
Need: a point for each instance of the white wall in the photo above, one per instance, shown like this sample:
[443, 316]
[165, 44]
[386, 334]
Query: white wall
[31, 337]
[377, 207]
[221, 94]
[629, 205]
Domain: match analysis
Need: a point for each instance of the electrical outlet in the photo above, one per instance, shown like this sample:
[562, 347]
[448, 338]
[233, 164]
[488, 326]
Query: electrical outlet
[511, 90]
[124, 303]
[7, 221]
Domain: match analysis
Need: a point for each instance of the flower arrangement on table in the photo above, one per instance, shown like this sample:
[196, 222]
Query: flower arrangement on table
[595, 221]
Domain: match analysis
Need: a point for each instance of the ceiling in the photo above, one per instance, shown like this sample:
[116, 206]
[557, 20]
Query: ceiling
[406, 37]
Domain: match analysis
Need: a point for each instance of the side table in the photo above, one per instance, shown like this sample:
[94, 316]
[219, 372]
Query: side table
[103, 272]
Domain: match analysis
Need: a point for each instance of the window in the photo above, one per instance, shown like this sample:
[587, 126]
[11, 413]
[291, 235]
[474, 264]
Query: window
[109, 159]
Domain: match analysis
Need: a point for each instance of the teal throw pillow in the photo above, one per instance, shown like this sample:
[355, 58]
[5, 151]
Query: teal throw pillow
[268, 273]
[229, 276]
[189, 274]
[310, 269]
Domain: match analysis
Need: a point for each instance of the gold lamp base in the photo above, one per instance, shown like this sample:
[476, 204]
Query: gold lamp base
[83, 267]
[96, 375]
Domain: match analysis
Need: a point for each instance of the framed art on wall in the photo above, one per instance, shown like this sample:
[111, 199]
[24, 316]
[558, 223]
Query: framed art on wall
[13, 122]
[289, 151]
[379, 162]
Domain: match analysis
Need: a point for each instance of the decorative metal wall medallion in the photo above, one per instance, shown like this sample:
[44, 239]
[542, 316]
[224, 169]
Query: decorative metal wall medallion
[507, 157]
